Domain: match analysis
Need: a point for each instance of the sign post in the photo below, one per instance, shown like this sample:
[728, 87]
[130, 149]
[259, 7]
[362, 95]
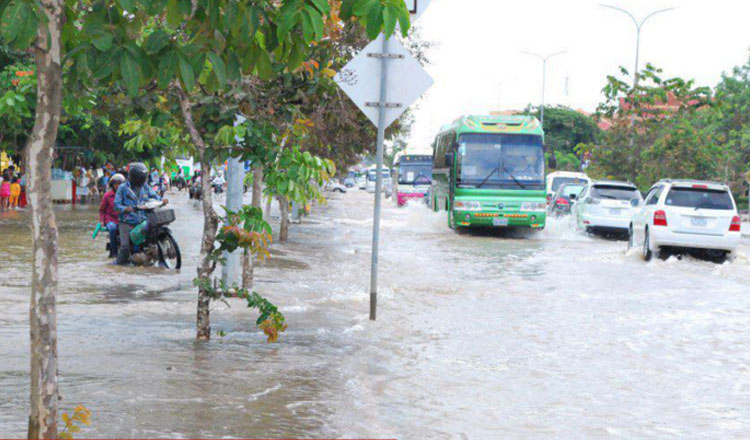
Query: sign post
[383, 81]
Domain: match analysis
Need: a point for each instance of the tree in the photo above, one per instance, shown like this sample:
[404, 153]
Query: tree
[149, 44]
[565, 128]
[649, 126]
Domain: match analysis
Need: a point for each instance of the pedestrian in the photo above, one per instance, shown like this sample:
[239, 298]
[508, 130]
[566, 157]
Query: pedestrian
[108, 214]
[15, 193]
[5, 192]
[22, 202]
[135, 191]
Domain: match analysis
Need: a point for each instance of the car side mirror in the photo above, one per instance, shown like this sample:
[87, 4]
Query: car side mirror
[449, 159]
[572, 197]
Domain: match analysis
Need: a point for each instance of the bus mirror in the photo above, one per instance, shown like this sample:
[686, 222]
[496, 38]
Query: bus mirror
[449, 159]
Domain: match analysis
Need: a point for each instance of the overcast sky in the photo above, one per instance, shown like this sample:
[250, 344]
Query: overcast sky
[478, 44]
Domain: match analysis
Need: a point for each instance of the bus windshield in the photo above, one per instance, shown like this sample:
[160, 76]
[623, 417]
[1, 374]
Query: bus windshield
[501, 161]
[415, 174]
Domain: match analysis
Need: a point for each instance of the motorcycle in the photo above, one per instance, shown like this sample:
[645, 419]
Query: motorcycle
[218, 188]
[195, 191]
[157, 244]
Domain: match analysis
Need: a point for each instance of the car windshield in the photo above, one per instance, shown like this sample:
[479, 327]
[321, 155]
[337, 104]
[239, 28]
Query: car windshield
[501, 160]
[559, 181]
[699, 198]
[568, 190]
[615, 193]
[415, 174]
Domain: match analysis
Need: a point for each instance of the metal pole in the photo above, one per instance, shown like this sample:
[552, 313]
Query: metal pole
[544, 73]
[230, 272]
[378, 182]
[544, 86]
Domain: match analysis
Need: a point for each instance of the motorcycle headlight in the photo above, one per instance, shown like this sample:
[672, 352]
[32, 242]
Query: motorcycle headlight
[466, 206]
[534, 206]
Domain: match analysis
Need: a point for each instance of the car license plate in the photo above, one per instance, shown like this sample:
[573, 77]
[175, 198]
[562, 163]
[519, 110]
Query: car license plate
[499, 222]
[699, 221]
[615, 211]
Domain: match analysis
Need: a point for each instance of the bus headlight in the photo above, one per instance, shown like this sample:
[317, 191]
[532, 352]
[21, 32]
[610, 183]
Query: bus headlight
[459, 205]
[534, 206]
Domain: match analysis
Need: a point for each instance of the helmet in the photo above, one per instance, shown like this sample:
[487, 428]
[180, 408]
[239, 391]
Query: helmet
[117, 178]
[137, 174]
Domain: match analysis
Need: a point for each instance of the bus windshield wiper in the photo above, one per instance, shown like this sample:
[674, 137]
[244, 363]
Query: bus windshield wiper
[514, 178]
[496, 170]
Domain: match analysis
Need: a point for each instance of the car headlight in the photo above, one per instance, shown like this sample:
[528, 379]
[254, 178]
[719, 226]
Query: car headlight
[534, 206]
[466, 206]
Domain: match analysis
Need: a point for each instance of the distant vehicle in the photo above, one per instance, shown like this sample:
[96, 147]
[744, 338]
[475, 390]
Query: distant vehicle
[564, 198]
[412, 177]
[606, 207]
[372, 177]
[361, 181]
[334, 186]
[554, 180]
[488, 171]
[349, 182]
[700, 218]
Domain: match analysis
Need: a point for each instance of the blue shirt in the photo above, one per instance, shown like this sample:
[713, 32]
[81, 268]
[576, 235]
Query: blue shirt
[126, 196]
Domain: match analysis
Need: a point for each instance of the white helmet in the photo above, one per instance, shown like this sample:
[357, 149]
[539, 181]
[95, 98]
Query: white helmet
[117, 178]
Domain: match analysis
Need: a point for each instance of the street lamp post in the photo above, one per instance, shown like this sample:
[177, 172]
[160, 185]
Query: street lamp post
[638, 27]
[544, 73]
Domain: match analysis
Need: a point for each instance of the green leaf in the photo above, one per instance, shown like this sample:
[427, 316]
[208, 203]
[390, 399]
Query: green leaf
[130, 73]
[174, 17]
[264, 66]
[363, 7]
[389, 19]
[322, 6]
[156, 42]
[186, 71]
[374, 21]
[103, 42]
[317, 21]
[128, 5]
[167, 68]
[220, 69]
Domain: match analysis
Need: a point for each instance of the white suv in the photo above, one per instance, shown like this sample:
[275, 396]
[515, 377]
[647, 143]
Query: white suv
[606, 206]
[687, 215]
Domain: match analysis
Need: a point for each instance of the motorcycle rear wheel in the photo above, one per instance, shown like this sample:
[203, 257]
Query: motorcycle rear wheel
[169, 252]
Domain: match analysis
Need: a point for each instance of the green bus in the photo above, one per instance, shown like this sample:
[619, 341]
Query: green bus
[488, 171]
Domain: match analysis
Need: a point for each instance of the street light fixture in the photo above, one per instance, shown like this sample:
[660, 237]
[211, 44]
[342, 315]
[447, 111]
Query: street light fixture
[544, 72]
[638, 27]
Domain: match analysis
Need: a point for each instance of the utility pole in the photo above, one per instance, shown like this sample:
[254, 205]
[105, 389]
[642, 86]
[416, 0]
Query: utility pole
[638, 27]
[544, 72]
[636, 73]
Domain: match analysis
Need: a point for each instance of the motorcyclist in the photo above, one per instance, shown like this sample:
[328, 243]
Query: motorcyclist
[130, 194]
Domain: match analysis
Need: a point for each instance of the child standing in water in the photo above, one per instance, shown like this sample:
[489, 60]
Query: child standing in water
[4, 194]
[15, 193]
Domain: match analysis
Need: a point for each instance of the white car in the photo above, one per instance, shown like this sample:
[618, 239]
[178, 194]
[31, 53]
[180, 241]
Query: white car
[606, 206]
[687, 215]
[554, 180]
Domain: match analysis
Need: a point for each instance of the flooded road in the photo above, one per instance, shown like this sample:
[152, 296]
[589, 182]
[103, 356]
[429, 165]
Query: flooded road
[548, 335]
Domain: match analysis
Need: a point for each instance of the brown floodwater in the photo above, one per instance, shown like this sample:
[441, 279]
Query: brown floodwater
[480, 336]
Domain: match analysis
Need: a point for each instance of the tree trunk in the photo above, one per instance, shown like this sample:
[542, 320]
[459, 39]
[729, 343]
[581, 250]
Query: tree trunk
[210, 219]
[248, 261]
[39, 149]
[284, 228]
[257, 186]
